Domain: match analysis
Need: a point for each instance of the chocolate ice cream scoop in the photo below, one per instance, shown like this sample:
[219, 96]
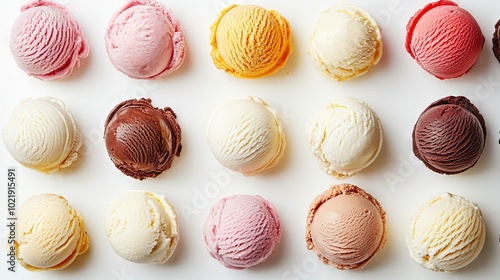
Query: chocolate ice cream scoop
[496, 41]
[142, 140]
[450, 135]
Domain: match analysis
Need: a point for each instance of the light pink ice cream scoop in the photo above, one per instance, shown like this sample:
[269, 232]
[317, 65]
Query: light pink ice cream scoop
[46, 41]
[242, 231]
[346, 227]
[144, 40]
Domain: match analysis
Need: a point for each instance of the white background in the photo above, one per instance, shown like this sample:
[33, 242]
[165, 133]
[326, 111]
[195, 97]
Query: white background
[397, 88]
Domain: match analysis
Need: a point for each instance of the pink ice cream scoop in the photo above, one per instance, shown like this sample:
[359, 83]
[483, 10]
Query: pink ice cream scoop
[144, 40]
[242, 230]
[444, 39]
[46, 41]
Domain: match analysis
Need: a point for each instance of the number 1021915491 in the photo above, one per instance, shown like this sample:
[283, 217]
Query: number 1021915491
[11, 192]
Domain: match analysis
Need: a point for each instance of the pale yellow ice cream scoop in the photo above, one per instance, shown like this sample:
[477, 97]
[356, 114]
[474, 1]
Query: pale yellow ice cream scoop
[50, 233]
[447, 233]
[346, 42]
[346, 136]
[41, 134]
[249, 41]
[142, 227]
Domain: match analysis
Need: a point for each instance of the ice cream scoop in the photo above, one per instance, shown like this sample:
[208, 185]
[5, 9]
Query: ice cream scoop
[46, 41]
[447, 233]
[346, 42]
[444, 39]
[41, 134]
[142, 140]
[142, 227]
[345, 136]
[246, 135]
[50, 233]
[346, 227]
[450, 135]
[242, 231]
[496, 41]
[249, 41]
[144, 40]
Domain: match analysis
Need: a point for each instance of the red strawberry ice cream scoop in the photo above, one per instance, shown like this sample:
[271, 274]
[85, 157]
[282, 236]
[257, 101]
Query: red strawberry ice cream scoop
[444, 39]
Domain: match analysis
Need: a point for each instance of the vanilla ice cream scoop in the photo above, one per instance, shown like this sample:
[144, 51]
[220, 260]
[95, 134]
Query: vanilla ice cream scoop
[447, 233]
[142, 227]
[249, 41]
[346, 136]
[41, 134]
[246, 135]
[346, 42]
[50, 233]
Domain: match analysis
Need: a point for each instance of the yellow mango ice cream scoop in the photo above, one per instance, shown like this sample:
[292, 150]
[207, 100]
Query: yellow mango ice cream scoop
[249, 41]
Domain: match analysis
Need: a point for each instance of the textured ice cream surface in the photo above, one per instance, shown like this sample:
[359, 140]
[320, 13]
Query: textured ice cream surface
[450, 135]
[50, 233]
[142, 140]
[46, 41]
[144, 40]
[142, 227]
[444, 39]
[242, 231]
[249, 41]
[496, 41]
[346, 42]
[246, 135]
[345, 136]
[41, 134]
[346, 227]
[447, 233]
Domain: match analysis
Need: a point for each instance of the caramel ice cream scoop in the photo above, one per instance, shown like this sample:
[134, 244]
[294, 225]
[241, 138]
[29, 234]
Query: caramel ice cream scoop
[346, 227]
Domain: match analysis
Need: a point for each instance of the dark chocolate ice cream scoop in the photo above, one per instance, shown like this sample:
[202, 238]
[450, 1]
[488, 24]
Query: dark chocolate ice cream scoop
[142, 140]
[496, 41]
[450, 135]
